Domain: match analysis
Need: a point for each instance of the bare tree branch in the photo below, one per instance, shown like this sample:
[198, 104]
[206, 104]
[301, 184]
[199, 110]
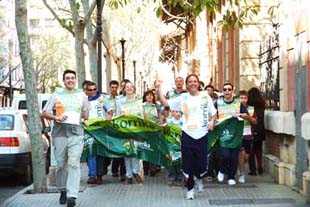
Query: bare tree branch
[90, 11]
[8, 74]
[58, 18]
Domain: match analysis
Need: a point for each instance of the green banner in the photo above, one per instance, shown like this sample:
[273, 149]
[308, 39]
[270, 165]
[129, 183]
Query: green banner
[131, 136]
[229, 133]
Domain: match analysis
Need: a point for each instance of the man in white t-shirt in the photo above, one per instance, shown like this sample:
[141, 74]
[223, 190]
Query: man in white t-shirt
[68, 135]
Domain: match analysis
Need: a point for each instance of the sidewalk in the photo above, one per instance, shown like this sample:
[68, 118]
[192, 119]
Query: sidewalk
[258, 191]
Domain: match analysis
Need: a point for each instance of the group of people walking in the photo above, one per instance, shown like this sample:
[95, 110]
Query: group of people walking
[196, 111]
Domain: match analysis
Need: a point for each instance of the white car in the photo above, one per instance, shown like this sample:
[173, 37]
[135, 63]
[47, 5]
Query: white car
[19, 101]
[15, 145]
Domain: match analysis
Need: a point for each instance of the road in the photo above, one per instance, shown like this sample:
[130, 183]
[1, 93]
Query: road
[8, 187]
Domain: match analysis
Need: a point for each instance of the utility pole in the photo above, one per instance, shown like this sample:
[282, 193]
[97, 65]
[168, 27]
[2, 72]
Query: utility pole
[99, 37]
[134, 71]
[10, 71]
[123, 57]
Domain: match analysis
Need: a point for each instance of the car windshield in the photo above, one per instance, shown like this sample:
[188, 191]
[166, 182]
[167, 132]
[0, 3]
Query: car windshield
[6, 122]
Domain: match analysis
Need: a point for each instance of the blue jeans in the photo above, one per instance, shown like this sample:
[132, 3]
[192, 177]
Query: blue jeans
[95, 166]
[229, 162]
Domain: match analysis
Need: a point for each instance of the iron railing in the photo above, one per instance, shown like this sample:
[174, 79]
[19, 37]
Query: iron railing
[269, 64]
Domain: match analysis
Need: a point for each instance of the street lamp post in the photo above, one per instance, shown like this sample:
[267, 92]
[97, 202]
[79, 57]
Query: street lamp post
[10, 71]
[141, 83]
[134, 71]
[99, 37]
[123, 57]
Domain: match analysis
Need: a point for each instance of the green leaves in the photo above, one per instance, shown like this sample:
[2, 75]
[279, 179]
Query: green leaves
[67, 23]
[159, 12]
[234, 16]
[77, 6]
[271, 11]
[115, 4]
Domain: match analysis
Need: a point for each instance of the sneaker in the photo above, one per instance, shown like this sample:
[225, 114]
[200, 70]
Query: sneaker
[220, 176]
[199, 185]
[190, 194]
[71, 202]
[241, 178]
[63, 198]
[92, 180]
[231, 182]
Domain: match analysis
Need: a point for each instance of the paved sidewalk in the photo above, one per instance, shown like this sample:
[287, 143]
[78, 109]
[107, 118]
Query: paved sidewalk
[258, 191]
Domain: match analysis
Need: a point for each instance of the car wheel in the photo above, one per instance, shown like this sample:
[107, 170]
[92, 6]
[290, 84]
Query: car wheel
[26, 177]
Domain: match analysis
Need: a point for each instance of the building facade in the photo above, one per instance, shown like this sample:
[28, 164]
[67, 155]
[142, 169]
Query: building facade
[271, 52]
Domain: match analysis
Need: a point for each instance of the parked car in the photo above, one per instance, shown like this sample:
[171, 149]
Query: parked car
[19, 101]
[15, 145]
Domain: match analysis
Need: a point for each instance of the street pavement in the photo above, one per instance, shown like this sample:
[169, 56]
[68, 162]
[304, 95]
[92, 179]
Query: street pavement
[258, 191]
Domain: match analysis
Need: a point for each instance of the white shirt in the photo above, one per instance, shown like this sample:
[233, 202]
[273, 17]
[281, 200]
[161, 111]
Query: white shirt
[196, 113]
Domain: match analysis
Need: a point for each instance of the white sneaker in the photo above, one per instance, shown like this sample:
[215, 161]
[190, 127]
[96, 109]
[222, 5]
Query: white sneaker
[190, 194]
[241, 178]
[231, 182]
[199, 185]
[220, 176]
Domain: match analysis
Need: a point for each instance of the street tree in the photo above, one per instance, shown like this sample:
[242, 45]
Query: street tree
[38, 162]
[50, 55]
[73, 21]
[232, 16]
[65, 17]
[142, 42]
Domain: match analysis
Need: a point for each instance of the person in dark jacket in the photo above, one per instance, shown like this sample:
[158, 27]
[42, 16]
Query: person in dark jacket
[258, 130]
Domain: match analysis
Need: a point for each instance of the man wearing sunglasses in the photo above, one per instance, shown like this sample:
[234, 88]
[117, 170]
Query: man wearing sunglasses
[95, 162]
[229, 107]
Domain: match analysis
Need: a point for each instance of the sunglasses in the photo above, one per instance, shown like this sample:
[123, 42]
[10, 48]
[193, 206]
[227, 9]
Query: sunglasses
[94, 89]
[227, 89]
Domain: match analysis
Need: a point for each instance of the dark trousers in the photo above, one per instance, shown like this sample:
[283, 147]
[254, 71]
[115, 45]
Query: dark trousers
[149, 167]
[118, 165]
[213, 161]
[194, 158]
[257, 153]
[229, 162]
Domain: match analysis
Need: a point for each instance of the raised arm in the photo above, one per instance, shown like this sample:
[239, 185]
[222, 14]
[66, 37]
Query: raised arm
[161, 96]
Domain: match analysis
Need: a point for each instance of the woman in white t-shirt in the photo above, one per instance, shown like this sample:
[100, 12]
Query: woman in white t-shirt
[130, 103]
[198, 116]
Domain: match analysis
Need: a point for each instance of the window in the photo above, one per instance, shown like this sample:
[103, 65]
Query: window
[6, 122]
[22, 105]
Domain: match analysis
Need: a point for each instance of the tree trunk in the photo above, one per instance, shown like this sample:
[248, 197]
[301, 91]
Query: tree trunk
[91, 43]
[110, 55]
[79, 52]
[79, 26]
[34, 129]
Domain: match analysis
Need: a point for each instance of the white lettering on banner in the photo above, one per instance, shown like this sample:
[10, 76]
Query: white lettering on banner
[142, 145]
